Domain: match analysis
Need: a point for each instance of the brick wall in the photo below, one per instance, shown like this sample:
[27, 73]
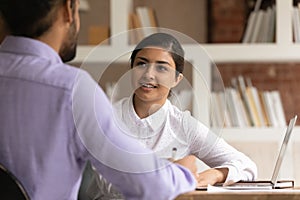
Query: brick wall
[284, 77]
[226, 20]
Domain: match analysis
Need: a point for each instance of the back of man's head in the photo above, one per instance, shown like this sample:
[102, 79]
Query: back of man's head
[29, 18]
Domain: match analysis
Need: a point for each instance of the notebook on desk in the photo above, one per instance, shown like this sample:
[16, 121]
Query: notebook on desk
[273, 183]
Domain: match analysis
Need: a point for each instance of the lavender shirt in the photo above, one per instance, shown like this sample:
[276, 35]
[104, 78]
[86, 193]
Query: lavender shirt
[53, 118]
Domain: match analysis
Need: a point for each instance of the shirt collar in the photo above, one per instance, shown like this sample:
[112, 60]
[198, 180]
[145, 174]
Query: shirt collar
[29, 46]
[155, 121]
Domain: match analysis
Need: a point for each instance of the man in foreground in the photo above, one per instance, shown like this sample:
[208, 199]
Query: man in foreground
[52, 116]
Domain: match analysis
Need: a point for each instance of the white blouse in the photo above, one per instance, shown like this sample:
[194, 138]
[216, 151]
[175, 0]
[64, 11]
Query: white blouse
[170, 127]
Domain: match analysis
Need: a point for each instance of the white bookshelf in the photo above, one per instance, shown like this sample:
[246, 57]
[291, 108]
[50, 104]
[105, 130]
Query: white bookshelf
[282, 50]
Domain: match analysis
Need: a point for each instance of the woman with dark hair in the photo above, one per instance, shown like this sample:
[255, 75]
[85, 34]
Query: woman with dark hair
[157, 64]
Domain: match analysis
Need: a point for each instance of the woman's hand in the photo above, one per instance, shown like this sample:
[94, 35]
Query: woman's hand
[190, 163]
[212, 176]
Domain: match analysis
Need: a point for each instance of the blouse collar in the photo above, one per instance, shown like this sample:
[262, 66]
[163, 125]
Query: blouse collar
[151, 125]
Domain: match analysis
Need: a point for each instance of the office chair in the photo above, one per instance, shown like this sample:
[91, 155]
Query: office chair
[10, 186]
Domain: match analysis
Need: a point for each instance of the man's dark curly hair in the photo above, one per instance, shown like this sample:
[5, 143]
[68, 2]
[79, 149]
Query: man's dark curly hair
[30, 18]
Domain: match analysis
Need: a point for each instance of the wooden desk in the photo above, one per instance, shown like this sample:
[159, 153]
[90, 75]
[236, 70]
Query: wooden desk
[266, 195]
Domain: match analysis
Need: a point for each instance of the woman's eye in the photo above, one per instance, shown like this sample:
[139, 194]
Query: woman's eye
[162, 68]
[141, 64]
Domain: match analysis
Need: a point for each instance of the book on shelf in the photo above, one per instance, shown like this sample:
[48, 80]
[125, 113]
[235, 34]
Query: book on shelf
[274, 109]
[249, 28]
[253, 94]
[260, 26]
[233, 107]
[296, 23]
[241, 86]
[243, 105]
[268, 104]
[134, 24]
[270, 33]
[216, 111]
[98, 34]
[152, 17]
[144, 20]
[278, 108]
[220, 115]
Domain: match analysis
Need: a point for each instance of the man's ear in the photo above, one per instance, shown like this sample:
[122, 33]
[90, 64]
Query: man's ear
[178, 79]
[69, 17]
[3, 29]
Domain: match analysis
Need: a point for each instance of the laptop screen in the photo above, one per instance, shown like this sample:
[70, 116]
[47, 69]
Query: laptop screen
[283, 149]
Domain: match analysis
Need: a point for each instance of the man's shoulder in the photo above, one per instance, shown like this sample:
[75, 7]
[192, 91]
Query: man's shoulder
[60, 75]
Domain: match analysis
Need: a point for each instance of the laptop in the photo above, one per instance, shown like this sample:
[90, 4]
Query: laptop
[268, 184]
